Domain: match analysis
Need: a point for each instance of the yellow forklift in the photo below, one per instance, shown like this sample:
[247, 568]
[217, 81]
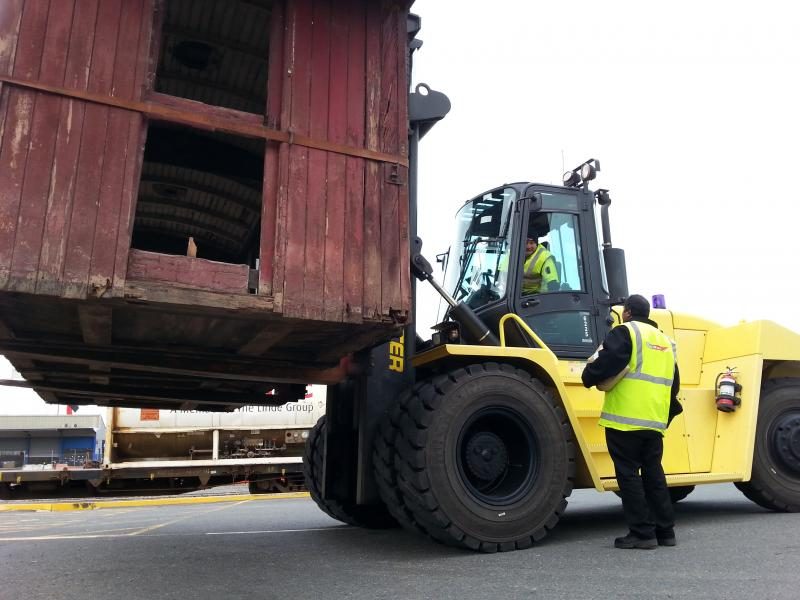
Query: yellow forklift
[493, 428]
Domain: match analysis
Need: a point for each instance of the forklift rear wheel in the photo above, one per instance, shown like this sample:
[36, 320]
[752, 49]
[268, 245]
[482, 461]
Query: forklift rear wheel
[369, 516]
[775, 481]
[483, 458]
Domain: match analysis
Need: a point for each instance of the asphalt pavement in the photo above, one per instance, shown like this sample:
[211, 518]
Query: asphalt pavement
[287, 548]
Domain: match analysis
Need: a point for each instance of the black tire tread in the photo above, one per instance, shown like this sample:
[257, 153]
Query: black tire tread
[413, 490]
[760, 488]
[368, 516]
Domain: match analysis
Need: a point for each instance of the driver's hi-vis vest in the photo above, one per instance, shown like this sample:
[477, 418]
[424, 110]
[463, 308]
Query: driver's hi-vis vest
[640, 400]
[539, 267]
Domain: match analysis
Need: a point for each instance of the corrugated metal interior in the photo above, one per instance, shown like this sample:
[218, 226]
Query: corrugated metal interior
[216, 52]
[203, 185]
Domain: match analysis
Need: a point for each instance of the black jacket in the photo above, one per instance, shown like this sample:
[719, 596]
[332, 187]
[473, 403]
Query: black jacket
[616, 354]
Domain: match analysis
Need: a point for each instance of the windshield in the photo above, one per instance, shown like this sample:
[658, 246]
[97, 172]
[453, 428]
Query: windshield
[478, 258]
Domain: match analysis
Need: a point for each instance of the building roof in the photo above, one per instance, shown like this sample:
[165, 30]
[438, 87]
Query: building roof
[50, 422]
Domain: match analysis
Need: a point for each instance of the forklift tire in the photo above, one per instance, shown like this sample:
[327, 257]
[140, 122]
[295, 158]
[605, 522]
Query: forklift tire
[484, 458]
[775, 480]
[383, 452]
[368, 516]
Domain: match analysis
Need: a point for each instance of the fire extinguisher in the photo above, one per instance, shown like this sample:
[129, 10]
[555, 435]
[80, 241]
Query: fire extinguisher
[728, 391]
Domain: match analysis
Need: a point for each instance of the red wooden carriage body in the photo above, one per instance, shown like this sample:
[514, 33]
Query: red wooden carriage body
[270, 135]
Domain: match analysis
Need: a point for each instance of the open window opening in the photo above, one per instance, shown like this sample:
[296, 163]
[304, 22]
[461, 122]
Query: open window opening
[200, 195]
[216, 52]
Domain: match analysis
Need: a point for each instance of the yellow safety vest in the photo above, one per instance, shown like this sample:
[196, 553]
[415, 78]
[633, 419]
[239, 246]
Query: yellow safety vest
[640, 400]
[539, 267]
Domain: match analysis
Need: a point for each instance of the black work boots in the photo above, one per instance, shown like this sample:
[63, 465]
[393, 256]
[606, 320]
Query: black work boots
[632, 541]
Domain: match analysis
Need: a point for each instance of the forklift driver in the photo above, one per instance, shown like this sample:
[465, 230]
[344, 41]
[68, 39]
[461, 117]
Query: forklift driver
[539, 272]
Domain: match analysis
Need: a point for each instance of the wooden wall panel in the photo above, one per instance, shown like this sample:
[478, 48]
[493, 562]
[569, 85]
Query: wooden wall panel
[345, 251]
[121, 149]
[67, 148]
[335, 240]
[91, 162]
[73, 163]
[334, 227]
[316, 196]
[353, 272]
[37, 178]
[395, 140]
[301, 28]
[372, 193]
[271, 184]
[184, 271]
[389, 132]
[17, 133]
[137, 132]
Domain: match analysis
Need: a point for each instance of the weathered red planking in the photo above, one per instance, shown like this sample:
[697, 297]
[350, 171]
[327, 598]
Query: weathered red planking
[67, 148]
[54, 37]
[334, 228]
[271, 184]
[19, 118]
[355, 167]
[372, 193]
[336, 193]
[10, 18]
[137, 131]
[121, 147]
[388, 127]
[403, 219]
[316, 196]
[282, 200]
[184, 271]
[92, 154]
[297, 185]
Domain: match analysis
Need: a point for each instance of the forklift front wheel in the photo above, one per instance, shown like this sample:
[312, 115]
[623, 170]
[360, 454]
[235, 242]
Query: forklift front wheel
[484, 458]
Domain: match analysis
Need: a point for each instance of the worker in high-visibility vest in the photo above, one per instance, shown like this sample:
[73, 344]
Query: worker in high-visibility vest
[539, 272]
[636, 412]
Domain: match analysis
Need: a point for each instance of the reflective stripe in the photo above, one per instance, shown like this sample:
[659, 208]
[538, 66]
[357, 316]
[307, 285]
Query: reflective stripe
[632, 421]
[639, 357]
[533, 259]
[636, 372]
[650, 378]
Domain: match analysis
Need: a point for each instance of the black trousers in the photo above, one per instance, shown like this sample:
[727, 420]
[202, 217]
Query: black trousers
[645, 498]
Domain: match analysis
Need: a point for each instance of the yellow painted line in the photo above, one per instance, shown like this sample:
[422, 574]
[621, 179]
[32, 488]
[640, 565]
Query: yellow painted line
[110, 534]
[191, 516]
[95, 505]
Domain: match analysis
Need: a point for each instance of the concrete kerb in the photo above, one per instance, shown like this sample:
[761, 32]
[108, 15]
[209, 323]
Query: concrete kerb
[100, 504]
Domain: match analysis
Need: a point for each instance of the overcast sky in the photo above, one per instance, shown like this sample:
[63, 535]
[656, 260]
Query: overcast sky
[691, 107]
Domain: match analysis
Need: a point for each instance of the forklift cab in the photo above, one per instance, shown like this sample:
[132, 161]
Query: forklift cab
[568, 309]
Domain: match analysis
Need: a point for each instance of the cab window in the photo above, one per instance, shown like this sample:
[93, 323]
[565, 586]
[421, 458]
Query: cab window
[552, 257]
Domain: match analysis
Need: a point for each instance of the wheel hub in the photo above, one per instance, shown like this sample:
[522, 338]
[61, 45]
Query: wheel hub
[487, 457]
[786, 441]
[498, 456]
